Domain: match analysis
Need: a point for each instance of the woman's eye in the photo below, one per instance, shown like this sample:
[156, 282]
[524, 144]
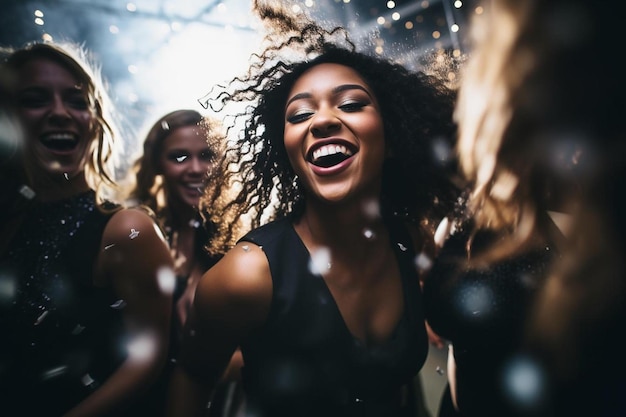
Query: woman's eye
[79, 103]
[179, 158]
[207, 156]
[352, 106]
[299, 117]
[33, 101]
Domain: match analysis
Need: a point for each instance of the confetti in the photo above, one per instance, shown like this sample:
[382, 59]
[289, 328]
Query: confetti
[87, 380]
[41, 318]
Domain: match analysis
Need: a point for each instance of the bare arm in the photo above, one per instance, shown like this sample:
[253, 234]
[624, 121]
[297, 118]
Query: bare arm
[232, 301]
[130, 262]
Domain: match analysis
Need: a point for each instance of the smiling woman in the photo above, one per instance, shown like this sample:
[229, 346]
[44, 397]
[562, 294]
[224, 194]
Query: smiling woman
[179, 150]
[336, 184]
[86, 312]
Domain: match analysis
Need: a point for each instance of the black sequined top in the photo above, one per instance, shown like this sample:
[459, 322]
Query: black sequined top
[61, 335]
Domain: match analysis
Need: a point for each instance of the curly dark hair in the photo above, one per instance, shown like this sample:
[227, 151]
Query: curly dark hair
[258, 183]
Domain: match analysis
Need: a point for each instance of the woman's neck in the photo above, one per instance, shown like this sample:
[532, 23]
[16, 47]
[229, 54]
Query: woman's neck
[358, 228]
[182, 216]
[48, 189]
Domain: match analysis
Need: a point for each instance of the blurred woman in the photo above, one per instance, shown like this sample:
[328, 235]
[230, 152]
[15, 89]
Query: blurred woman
[170, 176]
[535, 297]
[179, 151]
[85, 306]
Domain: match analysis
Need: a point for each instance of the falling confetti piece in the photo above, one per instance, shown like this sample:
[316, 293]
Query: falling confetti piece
[166, 279]
[78, 329]
[402, 247]
[119, 304]
[54, 372]
[27, 192]
[246, 248]
[41, 318]
[87, 380]
[320, 261]
[67, 177]
[423, 262]
[109, 246]
[133, 233]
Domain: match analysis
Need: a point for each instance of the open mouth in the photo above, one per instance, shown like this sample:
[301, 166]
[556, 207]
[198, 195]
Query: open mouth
[61, 142]
[196, 186]
[329, 155]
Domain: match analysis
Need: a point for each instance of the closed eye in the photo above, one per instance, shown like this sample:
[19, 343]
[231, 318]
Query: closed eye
[78, 102]
[299, 116]
[353, 106]
[207, 156]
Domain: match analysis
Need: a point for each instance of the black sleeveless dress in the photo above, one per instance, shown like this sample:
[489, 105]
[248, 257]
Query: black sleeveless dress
[61, 335]
[305, 361]
[482, 312]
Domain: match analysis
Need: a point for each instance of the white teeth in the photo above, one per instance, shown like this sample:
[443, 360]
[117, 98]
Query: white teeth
[196, 185]
[331, 150]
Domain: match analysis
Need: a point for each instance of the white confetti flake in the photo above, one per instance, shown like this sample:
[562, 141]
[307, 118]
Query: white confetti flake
[41, 318]
[423, 262]
[320, 261]
[118, 305]
[166, 279]
[87, 380]
[27, 192]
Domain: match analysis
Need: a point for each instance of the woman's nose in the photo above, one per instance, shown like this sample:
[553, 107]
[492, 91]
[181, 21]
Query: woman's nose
[58, 110]
[198, 166]
[324, 123]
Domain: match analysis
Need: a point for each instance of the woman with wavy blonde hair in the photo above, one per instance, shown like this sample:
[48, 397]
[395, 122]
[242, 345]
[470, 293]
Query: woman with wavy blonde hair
[87, 309]
[530, 290]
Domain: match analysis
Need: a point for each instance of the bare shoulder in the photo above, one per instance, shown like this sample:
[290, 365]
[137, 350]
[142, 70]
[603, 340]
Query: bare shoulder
[131, 223]
[239, 285]
[132, 245]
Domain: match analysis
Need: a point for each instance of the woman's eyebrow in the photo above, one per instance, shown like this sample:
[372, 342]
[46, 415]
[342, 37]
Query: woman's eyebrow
[345, 87]
[297, 97]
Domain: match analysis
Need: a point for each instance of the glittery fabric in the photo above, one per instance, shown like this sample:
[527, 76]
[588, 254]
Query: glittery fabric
[61, 333]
